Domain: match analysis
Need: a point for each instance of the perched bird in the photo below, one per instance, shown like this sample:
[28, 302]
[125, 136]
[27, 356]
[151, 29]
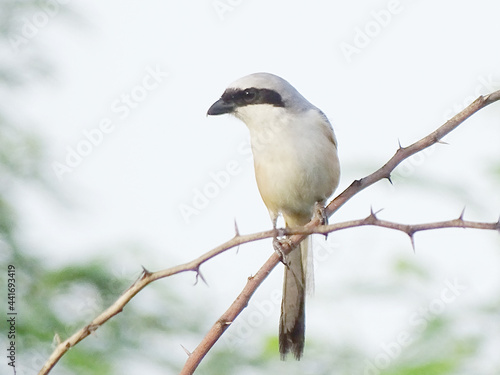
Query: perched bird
[296, 168]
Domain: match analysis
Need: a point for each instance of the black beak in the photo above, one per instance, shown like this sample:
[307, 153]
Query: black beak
[220, 107]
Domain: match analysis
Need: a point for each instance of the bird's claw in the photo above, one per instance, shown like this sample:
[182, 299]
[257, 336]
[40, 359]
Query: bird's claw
[320, 214]
[278, 248]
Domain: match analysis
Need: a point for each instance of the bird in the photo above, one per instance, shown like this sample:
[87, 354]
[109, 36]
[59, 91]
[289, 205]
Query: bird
[296, 168]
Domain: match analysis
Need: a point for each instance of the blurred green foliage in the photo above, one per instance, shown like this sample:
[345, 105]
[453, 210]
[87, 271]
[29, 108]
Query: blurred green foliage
[53, 303]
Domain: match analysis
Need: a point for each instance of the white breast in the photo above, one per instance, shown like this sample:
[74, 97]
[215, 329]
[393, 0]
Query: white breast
[296, 162]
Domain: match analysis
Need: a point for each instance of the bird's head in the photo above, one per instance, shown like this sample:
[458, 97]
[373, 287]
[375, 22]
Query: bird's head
[256, 95]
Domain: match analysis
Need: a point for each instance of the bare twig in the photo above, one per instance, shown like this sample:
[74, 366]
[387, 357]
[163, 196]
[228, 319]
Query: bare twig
[409, 229]
[299, 232]
[383, 173]
[146, 278]
[297, 235]
[405, 152]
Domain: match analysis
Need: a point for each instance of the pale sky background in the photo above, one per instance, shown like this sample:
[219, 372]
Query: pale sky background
[422, 63]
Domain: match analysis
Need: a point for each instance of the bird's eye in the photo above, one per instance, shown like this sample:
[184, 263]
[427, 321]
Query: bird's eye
[249, 95]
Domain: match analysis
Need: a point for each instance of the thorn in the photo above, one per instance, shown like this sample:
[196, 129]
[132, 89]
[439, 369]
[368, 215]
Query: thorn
[145, 273]
[399, 144]
[389, 179]
[442, 142]
[186, 351]
[374, 214]
[461, 217]
[412, 240]
[236, 230]
[199, 275]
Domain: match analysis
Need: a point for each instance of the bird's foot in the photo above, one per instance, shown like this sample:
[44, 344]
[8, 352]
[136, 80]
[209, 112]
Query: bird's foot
[320, 213]
[278, 247]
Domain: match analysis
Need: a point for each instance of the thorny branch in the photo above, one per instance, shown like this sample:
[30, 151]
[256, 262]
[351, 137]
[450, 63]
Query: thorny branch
[409, 229]
[297, 234]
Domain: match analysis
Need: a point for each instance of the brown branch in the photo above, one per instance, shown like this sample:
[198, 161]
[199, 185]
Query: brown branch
[253, 283]
[409, 229]
[405, 152]
[383, 173]
[145, 279]
[297, 234]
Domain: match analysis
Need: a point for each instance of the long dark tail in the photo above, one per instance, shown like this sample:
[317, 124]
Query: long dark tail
[292, 321]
